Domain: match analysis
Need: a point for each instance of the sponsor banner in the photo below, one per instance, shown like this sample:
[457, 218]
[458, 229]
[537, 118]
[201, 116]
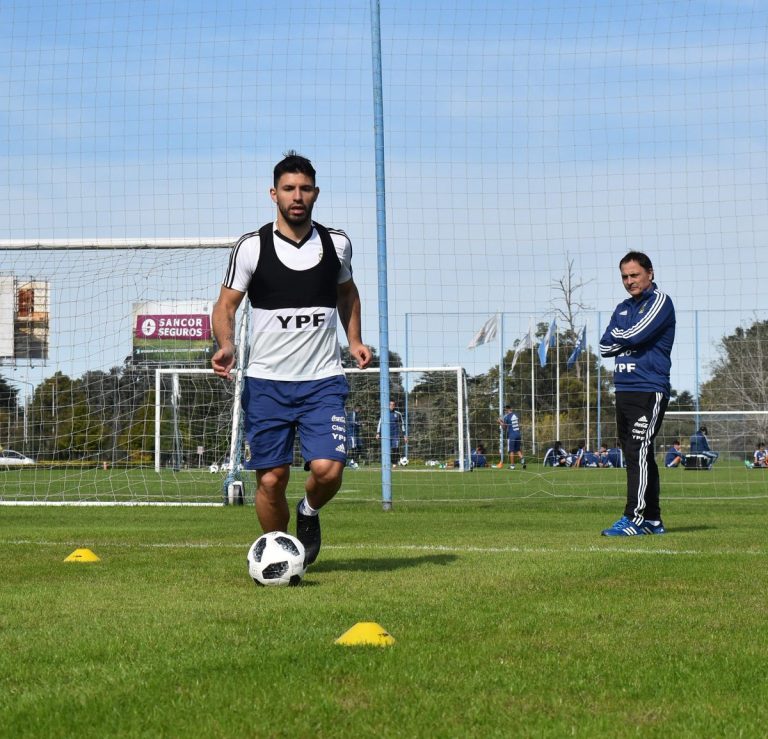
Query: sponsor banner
[187, 326]
[169, 332]
[24, 319]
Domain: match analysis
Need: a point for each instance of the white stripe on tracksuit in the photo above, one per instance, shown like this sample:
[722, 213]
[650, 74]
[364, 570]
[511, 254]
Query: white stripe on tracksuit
[645, 445]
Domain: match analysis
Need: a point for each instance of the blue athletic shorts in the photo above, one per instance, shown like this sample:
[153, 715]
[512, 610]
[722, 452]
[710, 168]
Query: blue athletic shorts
[274, 410]
[514, 443]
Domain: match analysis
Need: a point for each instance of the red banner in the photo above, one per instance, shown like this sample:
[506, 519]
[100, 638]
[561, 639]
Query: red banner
[189, 327]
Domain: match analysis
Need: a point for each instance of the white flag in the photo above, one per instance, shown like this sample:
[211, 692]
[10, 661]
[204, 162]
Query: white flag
[486, 333]
[525, 343]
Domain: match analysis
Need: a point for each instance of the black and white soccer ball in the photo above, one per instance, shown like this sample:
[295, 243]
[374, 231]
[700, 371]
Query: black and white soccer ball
[276, 558]
[403, 461]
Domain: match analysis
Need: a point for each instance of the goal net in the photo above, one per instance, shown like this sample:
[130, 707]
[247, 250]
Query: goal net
[168, 436]
[114, 402]
[527, 149]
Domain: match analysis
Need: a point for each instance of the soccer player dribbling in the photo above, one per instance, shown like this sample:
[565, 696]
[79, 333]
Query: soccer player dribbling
[298, 278]
[640, 335]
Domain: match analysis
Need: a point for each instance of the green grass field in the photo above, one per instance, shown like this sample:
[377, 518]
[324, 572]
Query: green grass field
[512, 616]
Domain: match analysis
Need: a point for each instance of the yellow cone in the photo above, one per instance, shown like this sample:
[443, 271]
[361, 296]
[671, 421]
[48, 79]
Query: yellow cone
[366, 632]
[82, 555]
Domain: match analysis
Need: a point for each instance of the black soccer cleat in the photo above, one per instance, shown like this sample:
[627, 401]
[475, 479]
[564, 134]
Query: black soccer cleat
[308, 533]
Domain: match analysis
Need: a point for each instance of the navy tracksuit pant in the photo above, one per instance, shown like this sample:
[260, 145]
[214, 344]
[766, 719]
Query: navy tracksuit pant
[638, 420]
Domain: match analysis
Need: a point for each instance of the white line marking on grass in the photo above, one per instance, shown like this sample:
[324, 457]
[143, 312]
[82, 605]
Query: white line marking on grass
[394, 548]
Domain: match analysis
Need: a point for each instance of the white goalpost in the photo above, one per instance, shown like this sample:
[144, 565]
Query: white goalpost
[422, 439]
[435, 416]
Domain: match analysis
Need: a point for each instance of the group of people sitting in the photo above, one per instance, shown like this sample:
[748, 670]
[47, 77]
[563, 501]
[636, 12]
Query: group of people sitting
[759, 458]
[558, 456]
[700, 455]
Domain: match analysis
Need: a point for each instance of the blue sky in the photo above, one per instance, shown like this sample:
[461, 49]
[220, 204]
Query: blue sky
[517, 136]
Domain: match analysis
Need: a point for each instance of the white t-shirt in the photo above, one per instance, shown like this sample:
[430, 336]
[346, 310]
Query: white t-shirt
[291, 343]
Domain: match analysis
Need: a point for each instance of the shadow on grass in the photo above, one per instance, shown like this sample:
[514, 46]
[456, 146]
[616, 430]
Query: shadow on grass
[684, 529]
[381, 564]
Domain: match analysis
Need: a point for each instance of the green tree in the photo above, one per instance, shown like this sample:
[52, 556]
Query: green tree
[9, 396]
[433, 417]
[11, 414]
[739, 382]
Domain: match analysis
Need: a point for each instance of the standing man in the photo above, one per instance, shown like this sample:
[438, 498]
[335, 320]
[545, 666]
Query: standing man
[298, 277]
[640, 335]
[396, 428]
[510, 422]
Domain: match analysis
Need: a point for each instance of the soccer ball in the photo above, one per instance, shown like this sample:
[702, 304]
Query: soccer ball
[276, 558]
[403, 461]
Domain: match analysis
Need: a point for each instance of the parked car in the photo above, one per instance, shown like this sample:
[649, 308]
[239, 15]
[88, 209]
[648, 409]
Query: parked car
[9, 458]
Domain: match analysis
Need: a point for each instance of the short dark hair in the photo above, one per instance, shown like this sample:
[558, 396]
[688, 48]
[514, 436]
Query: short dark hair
[292, 162]
[637, 256]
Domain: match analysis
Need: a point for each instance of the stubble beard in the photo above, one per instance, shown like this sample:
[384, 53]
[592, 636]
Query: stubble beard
[296, 221]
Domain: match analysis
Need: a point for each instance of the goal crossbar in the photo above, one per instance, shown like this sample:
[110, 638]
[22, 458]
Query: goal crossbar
[214, 242]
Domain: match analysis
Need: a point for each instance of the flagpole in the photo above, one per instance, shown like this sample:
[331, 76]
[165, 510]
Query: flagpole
[533, 385]
[588, 398]
[501, 385]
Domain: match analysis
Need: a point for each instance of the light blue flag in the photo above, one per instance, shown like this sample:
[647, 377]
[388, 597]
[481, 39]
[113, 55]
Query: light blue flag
[546, 342]
[580, 344]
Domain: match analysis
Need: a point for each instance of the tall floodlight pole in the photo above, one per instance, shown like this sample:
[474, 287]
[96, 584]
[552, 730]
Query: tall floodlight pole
[381, 251]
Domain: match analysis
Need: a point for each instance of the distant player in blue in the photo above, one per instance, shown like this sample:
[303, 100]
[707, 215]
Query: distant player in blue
[396, 428]
[478, 457]
[510, 422]
[354, 441]
[555, 456]
[590, 459]
[674, 457]
[577, 458]
[760, 456]
[700, 445]
[614, 457]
